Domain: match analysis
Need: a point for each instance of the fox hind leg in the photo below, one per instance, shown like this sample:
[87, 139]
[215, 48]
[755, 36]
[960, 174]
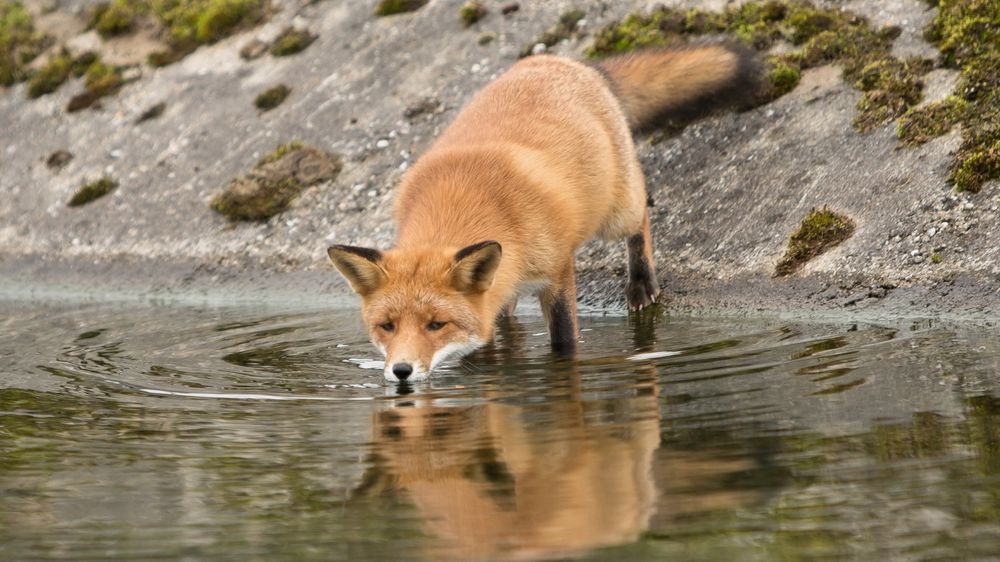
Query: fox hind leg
[642, 288]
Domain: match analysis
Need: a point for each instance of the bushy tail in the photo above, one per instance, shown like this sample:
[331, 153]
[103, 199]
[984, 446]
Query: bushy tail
[658, 84]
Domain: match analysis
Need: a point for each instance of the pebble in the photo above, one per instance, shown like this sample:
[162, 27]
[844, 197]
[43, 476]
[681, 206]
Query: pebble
[381, 143]
[538, 49]
[509, 8]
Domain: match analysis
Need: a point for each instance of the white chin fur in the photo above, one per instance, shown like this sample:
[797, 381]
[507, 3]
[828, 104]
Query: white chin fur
[454, 350]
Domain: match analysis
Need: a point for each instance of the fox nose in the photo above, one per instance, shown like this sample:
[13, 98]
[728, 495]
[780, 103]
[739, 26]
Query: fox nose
[402, 370]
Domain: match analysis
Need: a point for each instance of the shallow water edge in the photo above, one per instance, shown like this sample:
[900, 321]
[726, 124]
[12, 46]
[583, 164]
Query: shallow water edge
[962, 299]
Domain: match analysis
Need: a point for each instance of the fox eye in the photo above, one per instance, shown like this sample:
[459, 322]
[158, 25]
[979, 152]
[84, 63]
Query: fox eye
[435, 326]
[387, 326]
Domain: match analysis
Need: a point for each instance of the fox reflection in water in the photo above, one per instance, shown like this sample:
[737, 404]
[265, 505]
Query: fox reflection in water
[551, 477]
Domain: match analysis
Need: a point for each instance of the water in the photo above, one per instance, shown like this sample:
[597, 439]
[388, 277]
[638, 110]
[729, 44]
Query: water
[142, 432]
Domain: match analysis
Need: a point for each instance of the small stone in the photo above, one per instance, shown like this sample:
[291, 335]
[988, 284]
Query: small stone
[152, 112]
[132, 73]
[381, 143]
[538, 48]
[58, 159]
[422, 107]
[253, 49]
[877, 292]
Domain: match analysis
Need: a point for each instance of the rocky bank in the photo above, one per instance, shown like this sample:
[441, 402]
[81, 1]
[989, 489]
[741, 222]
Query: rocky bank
[727, 192]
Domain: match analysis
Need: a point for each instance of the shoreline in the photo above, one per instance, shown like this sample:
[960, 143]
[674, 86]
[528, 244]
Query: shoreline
[965, 299]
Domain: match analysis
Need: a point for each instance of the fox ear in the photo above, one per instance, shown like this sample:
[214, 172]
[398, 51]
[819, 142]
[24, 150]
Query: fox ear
[360, 266]
[475, 266]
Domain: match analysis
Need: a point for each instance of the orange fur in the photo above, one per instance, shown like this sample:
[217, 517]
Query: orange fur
[540, 161]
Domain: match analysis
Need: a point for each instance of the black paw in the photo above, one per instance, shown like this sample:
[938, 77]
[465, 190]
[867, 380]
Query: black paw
[641, 293]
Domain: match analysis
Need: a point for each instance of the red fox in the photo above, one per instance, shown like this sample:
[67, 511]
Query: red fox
[538, 163]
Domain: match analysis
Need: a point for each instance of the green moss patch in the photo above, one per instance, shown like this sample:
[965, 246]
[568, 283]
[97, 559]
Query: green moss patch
[923, 123]
[891, 87]
[49, 77]
[93, 190]
[820, 230]
[189, 23]
[272, 97]
[100, 80]
[393, 7]
[116, 17]
[83, 61]
[471, 12]
[968, 34]
[271, 186]
[280, 152]
[782, 78]
[820, 36]
[291, 41]
[20, 43]
[565, 28]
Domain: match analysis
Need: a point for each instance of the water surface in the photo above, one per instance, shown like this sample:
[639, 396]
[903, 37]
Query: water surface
[143, 432]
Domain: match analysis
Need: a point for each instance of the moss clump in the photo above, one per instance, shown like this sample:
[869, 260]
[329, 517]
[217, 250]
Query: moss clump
[936, 258]
[83, 61]
[190, 23]
[49, 77]
[169, 56]
[968, 34]
[271, 186]
[891, 87]
[393, 7]
[281, 152]
[291, 41]
[921, 124]
[19, 42]
[471, 12]
[567, 26]
[272, 97]
[823, 36]
[184, 24]
[782, 78]
[100, 80]
[115, 18]
[93, 190]
[820, 230]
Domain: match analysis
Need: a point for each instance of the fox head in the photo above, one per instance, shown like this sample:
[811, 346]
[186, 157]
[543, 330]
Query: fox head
[422, 306]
